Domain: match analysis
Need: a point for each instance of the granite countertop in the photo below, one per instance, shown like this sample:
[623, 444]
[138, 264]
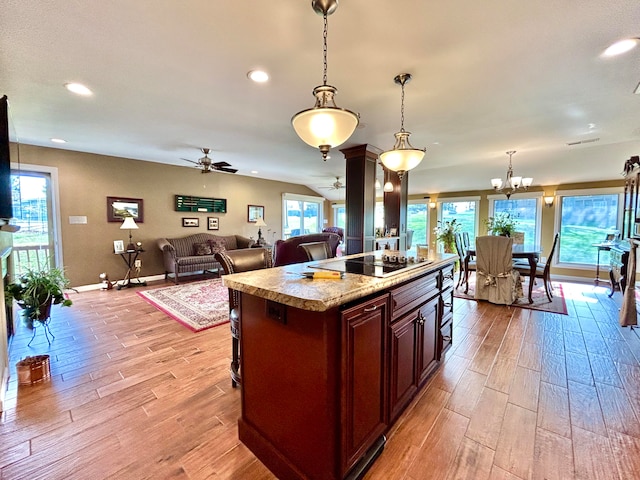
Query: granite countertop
[286, 284]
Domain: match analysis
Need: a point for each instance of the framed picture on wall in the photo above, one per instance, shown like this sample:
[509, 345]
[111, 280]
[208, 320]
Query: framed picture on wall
[119, 207]
[190, 222]
[212, 223]
[255, 211]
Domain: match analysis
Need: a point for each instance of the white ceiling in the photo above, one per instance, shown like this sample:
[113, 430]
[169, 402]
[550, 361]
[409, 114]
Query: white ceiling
[169, 77]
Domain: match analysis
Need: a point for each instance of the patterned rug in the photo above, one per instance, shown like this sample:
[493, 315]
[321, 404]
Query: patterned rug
[196, 305]
[540, 300]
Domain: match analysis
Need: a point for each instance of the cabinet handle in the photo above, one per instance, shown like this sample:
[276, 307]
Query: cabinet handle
[371, 309]
[446, 338]
[449, 305]
[449, 276]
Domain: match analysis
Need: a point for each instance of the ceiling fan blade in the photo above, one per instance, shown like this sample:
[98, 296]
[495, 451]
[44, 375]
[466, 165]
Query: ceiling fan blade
[224, 169]
[221, 164]
[187, 160]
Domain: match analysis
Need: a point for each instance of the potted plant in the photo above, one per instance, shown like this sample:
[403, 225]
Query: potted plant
[446, 234]
[501, 224]
[35, 291]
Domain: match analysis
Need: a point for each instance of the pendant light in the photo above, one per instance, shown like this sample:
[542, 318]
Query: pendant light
[403, 157]
[325, 125]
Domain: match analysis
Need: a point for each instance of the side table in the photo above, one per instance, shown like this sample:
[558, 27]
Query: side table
[606, 246]
[130, 257]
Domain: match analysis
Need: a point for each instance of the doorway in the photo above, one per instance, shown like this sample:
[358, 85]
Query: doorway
[34, 245]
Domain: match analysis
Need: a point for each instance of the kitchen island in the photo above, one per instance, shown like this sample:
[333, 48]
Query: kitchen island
[329, 365]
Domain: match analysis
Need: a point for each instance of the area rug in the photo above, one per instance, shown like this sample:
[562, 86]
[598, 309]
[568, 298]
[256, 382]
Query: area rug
[540, 300]
[196, 305]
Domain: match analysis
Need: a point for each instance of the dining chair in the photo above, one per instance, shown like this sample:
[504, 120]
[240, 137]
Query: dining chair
[462, 253]
[316, 250]
[496, 279]
[236, 261]
[543, 270]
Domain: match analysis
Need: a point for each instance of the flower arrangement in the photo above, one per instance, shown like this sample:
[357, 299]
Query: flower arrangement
[446, 234]
[501, 224]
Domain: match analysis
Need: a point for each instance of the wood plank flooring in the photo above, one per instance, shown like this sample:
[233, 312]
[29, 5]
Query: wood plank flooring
[521, 395]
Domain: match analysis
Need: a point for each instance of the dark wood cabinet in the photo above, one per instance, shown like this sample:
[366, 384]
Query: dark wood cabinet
[363, 378]
[322, 388]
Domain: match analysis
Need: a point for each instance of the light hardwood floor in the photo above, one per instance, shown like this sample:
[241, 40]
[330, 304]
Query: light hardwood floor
[522, 394]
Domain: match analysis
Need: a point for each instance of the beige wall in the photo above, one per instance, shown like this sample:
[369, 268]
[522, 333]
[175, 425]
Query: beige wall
[85, 180]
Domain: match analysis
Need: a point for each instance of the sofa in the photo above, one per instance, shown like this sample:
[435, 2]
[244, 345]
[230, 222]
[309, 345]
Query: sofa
[286, 252]
[196, 253]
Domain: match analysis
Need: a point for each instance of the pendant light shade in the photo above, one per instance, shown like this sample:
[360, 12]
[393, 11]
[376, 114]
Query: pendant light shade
[403, 157]
[325, 125]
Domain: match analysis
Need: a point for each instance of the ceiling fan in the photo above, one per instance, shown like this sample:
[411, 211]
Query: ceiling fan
[206, 165]
[337, 185]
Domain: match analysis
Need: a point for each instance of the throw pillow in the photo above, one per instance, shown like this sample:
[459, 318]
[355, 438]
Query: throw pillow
[217, 245]
[202, 249]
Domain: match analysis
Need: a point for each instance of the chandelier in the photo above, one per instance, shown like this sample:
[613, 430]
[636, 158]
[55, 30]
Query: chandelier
[325, 125]
[511, 183]
[403, 157]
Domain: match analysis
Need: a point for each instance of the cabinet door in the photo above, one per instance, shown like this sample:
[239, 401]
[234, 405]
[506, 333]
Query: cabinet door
[403, 368]
[428, 324]
[364, 378]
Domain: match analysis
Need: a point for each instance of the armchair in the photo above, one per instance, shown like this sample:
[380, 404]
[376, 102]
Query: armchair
[287, 252]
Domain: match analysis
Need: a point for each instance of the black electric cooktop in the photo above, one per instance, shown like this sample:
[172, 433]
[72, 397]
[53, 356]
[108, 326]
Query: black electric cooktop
[370, 265]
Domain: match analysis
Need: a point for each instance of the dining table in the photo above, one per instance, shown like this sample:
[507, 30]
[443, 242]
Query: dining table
[518, 251]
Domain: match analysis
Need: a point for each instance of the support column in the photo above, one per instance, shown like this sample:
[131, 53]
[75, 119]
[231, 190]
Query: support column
[360, 199]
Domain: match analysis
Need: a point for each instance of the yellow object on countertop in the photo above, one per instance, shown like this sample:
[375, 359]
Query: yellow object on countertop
[325, 274]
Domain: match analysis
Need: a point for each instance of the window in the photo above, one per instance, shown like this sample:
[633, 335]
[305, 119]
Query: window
[465, 211]
[302, 214]
[584, 218]
[418, 221]
[339, 215]
[525, 209]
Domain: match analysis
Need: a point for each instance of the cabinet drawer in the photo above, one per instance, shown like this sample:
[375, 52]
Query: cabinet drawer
[446, 336]
[446, 305]
[446, 277]
[409, 296]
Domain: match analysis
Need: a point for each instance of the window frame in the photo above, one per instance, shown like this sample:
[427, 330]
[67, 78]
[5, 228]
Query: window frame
[474, 198]
[306, 199]
[524, 195]
[558, 217]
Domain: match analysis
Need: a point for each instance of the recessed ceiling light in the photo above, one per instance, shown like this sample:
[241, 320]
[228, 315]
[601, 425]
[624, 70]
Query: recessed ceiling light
[78, 88]
[258, 76]
[58, 140]
[254, 172]
[620, 47]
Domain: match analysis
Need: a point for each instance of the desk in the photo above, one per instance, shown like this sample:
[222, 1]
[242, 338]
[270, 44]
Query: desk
[129, 257]
[606, 246]
[519, 251]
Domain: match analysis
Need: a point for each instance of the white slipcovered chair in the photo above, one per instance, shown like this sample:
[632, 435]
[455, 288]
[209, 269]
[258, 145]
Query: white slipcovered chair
[496, 280]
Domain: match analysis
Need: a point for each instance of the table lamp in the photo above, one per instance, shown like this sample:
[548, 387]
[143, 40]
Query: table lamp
[129, 224]
[260, 223]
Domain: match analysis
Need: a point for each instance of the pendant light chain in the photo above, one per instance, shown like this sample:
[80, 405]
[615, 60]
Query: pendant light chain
[324, 50]
[402, 109]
